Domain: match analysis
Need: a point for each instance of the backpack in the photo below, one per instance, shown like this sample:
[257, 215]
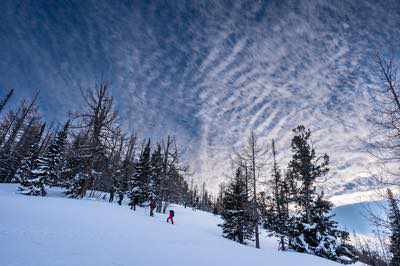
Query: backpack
[171, 213]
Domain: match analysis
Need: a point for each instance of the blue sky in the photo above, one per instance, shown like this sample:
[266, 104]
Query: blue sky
[206, 71]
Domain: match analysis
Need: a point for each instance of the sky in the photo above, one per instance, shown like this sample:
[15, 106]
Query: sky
[208, 72]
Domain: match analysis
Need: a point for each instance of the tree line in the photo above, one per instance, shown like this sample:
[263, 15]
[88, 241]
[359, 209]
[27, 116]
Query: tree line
[296, 213]
[91, 152]
[291, 209]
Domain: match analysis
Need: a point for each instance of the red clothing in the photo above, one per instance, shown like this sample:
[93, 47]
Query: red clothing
[170, 217]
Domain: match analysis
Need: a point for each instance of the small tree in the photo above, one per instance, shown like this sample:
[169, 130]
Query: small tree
[237, 223]
[140, 181]
[51, 164]
[31, 183]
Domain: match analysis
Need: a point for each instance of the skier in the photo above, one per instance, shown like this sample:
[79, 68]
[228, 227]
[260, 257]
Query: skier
[112, 192]
[134, 202]
[171, 216]
[153, 205]
[120, 198]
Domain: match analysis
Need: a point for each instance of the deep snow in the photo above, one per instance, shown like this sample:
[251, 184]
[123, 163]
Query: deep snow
[55, 231]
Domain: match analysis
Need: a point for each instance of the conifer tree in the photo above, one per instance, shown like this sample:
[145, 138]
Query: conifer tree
[79, 166]
[156, 174]
[140, 181]
[394, 220]
[237, 223]
[304, 168]
[31, 183]
[127, 168]
[50, 165]
[312, 229]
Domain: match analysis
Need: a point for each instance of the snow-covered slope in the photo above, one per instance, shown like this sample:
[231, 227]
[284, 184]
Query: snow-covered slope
[55, 231]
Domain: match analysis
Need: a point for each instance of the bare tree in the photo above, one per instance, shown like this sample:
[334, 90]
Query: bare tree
[384, 144]
[252, 156]
[98, 122]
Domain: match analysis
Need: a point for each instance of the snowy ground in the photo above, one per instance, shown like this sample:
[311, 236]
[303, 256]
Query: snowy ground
[54, 231]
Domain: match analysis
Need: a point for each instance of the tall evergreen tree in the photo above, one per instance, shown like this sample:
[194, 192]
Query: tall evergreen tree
[304, 168]
[140, 180]
[394, 219]
[156, 174]
[31, 183]
[312, 230]
[79, 166]
[237, 224]
[50, 165]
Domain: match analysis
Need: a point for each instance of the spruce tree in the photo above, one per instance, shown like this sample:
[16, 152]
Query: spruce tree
[50, 165]
[304, 168]
[140, 180]
[156, 174]
[394, 219]
[237, 223]
[31, 183]
[79, 167]
[312, 229]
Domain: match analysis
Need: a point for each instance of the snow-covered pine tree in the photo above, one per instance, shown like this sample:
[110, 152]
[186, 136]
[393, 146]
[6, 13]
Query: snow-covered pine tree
[312, 229]
[31, 183]
[139, 185]
[79, 167]
[237, 223]
[50, 165]
[156, 174]
[394, 219]
[127, 169]
[323, 237]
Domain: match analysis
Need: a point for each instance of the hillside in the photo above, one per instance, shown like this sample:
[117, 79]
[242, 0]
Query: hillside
[55, 231]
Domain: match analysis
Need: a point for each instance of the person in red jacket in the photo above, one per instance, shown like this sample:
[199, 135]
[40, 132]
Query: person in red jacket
[171, 216]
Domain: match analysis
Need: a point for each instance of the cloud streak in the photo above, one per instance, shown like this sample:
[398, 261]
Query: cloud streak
[209, 71]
